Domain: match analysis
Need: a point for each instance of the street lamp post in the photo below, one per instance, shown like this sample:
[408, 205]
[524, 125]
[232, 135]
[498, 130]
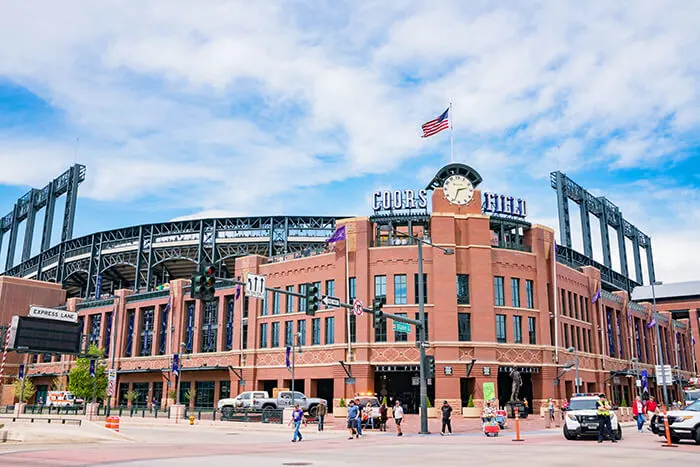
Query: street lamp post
[295, 342]
[576, 381]
[635, 369]
[179, 374]
[422, 337]
[660, 354]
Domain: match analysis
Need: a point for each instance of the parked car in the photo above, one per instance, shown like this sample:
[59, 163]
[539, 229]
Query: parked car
[261, 400]
[374, 403]
[581, 418]
[682, 424]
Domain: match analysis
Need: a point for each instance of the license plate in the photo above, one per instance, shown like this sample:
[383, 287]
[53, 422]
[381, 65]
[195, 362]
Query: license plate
[592, 426]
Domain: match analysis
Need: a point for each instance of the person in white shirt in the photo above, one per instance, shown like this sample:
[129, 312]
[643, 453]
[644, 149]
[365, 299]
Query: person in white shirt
[398, 416]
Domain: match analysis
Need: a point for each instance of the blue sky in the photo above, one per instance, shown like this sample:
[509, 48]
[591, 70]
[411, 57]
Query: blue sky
[307, 107]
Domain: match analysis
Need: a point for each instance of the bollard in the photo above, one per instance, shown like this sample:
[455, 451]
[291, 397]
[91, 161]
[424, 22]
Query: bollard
[668, 444]
[191, 419]
[517, 426]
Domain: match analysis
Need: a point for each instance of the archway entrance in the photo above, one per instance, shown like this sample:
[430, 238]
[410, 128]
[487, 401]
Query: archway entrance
[505, 384]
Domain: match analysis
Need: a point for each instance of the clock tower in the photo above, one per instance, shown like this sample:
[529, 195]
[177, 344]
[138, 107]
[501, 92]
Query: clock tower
[455, 190]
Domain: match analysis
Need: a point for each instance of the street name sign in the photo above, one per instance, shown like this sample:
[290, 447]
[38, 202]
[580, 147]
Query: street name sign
[330, 301]
[402, 327]
[51, 313]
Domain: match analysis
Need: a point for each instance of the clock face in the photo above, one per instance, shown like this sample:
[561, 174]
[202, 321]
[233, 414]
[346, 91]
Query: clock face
[458, 189]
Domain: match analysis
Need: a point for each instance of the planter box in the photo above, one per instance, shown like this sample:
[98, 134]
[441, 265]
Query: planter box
[471, 412]
[432, 412]
[340, 412]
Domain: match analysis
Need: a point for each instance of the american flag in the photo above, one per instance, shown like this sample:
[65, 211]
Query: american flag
[436, 126]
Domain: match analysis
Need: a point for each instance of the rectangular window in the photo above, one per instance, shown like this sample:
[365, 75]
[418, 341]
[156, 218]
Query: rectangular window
[425, 287]
[611, 336]
[588, 318]
[401, 336]
[380, 332]
[498, 294]
[501, 329]
[265, 300]
[353, 327]
[145, 344]
[302, 301]
[204, 394]
[464, 326]
[129, 333]
[275, 334]
[578, 338]
[275, 303]
[330, 288]
[352, 288]
[301, 329]
[263, 335]
[210, 326]
[590, 345]
[532, 330]
[380, 287]
[316, 331]
[621, 352]
[400, 297]
[189, 330]
[576, 306]
[244, 335]
[289, 300]
[427, 329]
[288, 333]
[108, 333]
[566, 335]
[330, 330]
[462, 289]
[515, 291]
[571, 307]
[529, 293]
[518, 329]
[563, 303]
[224, 390]
[230, 306]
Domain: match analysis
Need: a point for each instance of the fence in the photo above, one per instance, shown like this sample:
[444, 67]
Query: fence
[246, 415]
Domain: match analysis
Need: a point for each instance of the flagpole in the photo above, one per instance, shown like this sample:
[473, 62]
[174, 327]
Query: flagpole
[347, 291]
[452, 135]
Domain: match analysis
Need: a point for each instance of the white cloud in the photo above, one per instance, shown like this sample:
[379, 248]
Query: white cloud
[242, 100]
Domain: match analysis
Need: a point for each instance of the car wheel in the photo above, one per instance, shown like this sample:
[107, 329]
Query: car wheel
[227, 412]
[568, 435]
[618, 433]
[697, 435]
[675, 440]
[312, 411]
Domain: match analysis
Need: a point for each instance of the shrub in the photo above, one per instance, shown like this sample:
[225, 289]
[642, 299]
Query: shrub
[341, 403]
[470, 402]
[427, 402]
[385, 402]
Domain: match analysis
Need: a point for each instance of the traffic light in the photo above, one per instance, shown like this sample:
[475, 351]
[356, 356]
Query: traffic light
[377, 305]
[202, 287]
[430, 366]
[312, 300]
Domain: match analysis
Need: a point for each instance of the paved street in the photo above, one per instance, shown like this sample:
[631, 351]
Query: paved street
[230, 445]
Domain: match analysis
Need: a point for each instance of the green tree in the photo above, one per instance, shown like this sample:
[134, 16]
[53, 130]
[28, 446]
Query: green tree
[81, 383]
[29, 389]
[470, 402]
[190, 394]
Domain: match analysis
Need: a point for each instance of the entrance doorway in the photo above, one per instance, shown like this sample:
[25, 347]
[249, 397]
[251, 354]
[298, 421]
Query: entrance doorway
[324, 390]
[268, 385]
[505, 384]
[401, 382]
[299, 386]
[466, 389]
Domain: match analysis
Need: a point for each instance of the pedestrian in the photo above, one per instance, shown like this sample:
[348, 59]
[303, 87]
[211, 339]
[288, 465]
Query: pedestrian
[526, 408]
[398, 417]
[383, 415]
[446, 418]
[358, 421]
[321, 411]
[604, 426]
[638, 412]
[353, 414]
[651, 407]
[297, 419]
[368, 415]
[154, 404]
[550, 408]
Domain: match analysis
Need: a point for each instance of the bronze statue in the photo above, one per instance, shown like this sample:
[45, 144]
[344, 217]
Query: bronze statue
[517, 383]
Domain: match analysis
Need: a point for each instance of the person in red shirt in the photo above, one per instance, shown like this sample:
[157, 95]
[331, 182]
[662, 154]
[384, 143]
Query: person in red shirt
[651, 406]
[638, 412]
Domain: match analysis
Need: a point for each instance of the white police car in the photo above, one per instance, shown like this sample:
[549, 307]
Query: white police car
[682, 424]
[581, 418]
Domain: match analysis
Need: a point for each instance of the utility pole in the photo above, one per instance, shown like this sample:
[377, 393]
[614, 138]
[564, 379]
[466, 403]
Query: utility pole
[421, 318]
[660, 354]
[295, 342]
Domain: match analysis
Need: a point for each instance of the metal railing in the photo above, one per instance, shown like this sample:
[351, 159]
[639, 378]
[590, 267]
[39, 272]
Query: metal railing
[247, 415]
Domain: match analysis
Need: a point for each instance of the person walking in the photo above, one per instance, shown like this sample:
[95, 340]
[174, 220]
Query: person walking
[651, 407]
[446, 418]
[368, 415]
[358, 421]
[353, 415]
[638, 410]
[398, 417]
[321, 412]
[383, 415]
[604, 426]
[550, 408]
[297, 418]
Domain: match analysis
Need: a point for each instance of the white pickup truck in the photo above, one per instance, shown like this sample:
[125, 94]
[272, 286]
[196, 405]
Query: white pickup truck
[261, 400]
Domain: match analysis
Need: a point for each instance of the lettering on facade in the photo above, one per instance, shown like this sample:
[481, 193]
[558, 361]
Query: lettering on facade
[51, 313]
[399, 200]
[448, 371]
[521, 369]
[503, 204]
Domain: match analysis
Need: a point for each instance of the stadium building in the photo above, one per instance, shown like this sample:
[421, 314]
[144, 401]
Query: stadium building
[500, 294]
